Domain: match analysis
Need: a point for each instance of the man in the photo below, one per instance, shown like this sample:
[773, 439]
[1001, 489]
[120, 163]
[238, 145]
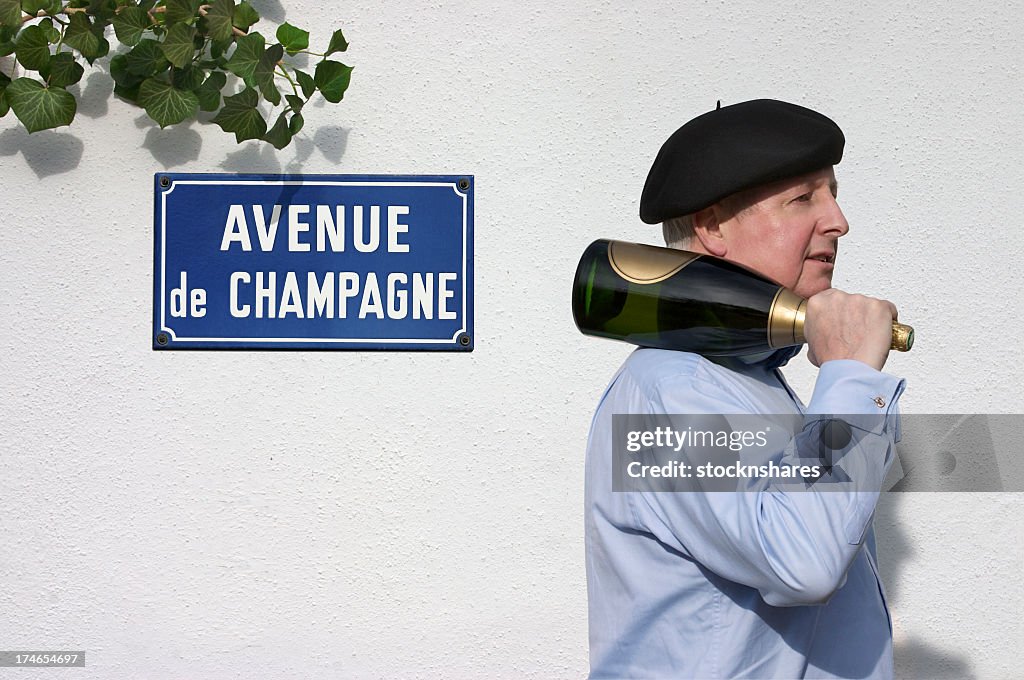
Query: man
[778, 583]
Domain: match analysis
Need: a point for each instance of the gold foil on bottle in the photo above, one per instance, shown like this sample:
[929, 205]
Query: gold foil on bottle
[640, 263]
[786, 323]
[786, 319]
[902, 337]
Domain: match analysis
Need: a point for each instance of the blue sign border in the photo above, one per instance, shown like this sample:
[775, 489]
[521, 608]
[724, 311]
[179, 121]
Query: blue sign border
[164, 337]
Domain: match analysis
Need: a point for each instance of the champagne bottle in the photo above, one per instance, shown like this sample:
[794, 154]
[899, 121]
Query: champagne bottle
[675, 299]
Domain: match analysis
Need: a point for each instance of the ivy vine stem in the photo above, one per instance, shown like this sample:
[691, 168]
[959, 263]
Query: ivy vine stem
[283, 71]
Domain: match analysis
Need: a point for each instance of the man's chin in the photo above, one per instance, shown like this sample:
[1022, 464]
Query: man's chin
[810, 289]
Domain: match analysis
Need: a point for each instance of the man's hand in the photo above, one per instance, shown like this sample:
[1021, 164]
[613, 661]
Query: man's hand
[844, 326]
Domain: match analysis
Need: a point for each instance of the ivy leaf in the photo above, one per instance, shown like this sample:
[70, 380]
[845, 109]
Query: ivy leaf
[218, 19]
[165, 103]
[52, 34]
[4, 106]
[337, 44]
[103, 10]
[34, 6]
[241, 116]
[62, 70]
[7, 40]
[296, 124]
[125, 82]
[84, 37]
[294, 102]
[188, 78]
[279, 136]
[248, 52]
[39, 107]
[121, 74]
[179, 45]
[264, 74]
[146, 58]
[129, 94]
[32, 48]
[219, 47]
[306, 83]
[244, 16]
[209, 91]
[130, 24]
[10, 14]
[178, 11]
[293, 39]
[332, 78]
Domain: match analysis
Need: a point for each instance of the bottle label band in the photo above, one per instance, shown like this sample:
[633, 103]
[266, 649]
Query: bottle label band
[786, 319]
[638, 263]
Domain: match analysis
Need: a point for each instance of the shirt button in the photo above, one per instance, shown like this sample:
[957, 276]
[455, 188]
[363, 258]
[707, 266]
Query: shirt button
[879, 402]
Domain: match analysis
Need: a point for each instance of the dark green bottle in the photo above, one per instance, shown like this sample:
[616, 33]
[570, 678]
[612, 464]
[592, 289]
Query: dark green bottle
[674, 299]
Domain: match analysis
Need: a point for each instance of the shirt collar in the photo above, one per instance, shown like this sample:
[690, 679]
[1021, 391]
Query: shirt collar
[781, 357]
[770, 359]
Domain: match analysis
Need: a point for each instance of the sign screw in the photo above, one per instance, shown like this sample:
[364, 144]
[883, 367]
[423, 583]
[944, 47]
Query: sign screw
[165, 182]
[162, 339]
[464, 340]
[464, 183]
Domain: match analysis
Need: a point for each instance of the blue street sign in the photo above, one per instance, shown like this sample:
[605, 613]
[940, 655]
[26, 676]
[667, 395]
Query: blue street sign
[313, 262]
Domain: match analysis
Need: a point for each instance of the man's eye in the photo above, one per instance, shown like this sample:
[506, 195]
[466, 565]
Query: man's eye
[803, 198]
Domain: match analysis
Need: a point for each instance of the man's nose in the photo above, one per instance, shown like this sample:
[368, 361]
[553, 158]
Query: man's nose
[834, 222]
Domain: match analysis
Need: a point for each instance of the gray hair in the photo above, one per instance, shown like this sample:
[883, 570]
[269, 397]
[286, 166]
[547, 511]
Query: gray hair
[678, 231]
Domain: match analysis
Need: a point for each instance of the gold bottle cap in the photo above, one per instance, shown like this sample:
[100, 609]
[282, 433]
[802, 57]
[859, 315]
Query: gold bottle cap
[902, 337]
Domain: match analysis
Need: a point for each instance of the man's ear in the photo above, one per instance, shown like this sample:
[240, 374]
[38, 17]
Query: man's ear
[708, 231]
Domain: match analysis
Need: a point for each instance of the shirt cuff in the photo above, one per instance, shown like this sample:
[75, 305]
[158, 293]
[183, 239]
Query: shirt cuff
[852, 388]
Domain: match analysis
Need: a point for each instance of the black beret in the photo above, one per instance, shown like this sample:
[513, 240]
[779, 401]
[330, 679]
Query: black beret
[734, 148]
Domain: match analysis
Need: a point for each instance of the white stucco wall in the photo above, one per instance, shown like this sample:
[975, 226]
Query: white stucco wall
[298, 515]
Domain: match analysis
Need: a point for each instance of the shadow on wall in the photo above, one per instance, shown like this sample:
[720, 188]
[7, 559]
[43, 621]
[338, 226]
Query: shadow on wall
[171, 146]
[329, 140]
[46, 153]
[270, 10]
[93, 94]
[915, 659]
[181, 144]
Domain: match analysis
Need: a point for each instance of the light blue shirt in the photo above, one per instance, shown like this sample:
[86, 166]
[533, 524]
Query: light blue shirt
[765, 584]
